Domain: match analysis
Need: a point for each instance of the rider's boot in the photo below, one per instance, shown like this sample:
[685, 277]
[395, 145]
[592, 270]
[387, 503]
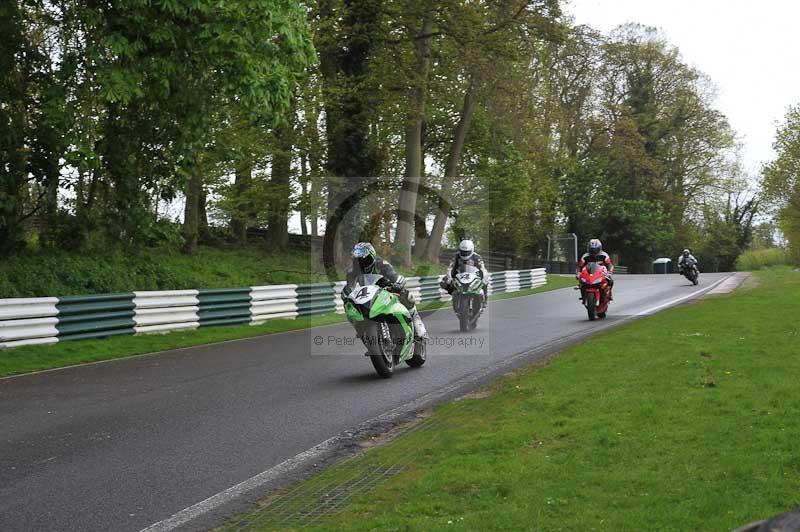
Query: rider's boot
[419, 328]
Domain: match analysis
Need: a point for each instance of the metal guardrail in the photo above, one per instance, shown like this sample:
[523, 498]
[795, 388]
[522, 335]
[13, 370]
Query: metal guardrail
[26, 321]
[98, 316]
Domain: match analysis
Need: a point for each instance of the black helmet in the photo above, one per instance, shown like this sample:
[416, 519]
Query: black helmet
[595, 246]
[364, 253]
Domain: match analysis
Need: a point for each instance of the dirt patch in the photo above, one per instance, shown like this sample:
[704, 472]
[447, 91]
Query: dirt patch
[386, 437]
[751, 282]
[536, 445]
[483, 393]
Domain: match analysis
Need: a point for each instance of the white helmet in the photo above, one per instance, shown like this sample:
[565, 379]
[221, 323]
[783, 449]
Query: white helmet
[466, 248]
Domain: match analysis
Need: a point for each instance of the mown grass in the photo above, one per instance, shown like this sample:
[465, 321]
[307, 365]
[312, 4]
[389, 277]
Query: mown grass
[39, 357]
[762, 258]
[687, 420]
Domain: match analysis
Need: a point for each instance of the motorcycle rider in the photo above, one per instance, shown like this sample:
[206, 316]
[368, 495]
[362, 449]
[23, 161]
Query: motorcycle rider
[687, 259]
[366, 261]
[595, 253]
[466, 256]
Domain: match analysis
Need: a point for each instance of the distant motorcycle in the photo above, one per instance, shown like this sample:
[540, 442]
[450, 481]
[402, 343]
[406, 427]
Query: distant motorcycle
[690, 271]
[594, 288]
[383, 324]
[468, 298]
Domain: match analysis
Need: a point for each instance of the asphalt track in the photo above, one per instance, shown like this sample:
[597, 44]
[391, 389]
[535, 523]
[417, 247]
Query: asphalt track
[125, 444]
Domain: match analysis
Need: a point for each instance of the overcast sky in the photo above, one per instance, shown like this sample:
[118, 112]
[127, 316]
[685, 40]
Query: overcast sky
[751, 50]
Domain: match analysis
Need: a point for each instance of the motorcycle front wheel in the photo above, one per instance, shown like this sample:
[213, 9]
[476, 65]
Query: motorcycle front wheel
[380, 349]
[463, 313]
[591, 306]
[475, 312]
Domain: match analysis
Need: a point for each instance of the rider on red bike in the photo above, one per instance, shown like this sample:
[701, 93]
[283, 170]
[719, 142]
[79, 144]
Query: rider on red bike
[596, 254]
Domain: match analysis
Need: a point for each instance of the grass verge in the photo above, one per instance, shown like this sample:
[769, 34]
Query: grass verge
[39, 357]
[687, 420]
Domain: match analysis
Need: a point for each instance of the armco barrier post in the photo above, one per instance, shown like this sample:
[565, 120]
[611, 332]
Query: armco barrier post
[224, 306]
[98, 316]
[27, 321]
[315, 299]
[272, 301]
[168, 310]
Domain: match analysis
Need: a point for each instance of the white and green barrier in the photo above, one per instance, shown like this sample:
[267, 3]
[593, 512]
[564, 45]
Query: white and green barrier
[46, 320]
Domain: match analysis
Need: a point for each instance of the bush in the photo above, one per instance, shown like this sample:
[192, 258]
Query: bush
[58, 273]
[762, 258]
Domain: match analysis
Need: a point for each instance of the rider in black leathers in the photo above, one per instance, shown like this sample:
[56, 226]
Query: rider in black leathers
[686, 259]
[366, 260]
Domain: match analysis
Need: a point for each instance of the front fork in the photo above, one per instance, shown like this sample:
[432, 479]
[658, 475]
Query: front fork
[606, 293]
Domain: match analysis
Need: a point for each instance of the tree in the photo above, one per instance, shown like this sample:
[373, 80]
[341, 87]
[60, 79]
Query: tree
[780, 179]
[347, 36]
[33, 119]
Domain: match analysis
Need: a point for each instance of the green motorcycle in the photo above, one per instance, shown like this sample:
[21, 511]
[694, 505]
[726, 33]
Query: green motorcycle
[383, 323]
[468, 297]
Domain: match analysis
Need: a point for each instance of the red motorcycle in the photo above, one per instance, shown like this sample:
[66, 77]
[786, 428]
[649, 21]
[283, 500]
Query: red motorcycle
[595, 292]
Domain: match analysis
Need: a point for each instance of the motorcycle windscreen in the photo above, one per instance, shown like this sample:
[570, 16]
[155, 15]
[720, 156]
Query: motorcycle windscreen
[368, 279]
[364, 289]
[595, 272]
[467, 273]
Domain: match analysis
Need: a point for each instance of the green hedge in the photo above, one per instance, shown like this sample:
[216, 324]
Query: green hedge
[80, 273]
[762, 258]
[65, 274]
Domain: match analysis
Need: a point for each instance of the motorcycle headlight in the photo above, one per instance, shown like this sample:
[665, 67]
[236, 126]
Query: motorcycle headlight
[475, 284]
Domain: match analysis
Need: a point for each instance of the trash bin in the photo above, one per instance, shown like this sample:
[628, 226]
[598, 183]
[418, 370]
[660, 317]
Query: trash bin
[662, 265]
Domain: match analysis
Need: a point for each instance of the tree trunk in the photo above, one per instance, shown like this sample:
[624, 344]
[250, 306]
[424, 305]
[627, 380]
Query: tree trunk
[303, 207]
[451, 170]
[191, 215]
[413, 138]
[49, 212]
[280, 188]
[421, 211]
[349, 94]
[242, 184]
[314, 166]
[13, 183]
[314, 212]
[202, 221]
[14, 109]
[420, 228]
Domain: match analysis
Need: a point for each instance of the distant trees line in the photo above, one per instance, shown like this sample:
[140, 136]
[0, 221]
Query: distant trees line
[516, 122]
